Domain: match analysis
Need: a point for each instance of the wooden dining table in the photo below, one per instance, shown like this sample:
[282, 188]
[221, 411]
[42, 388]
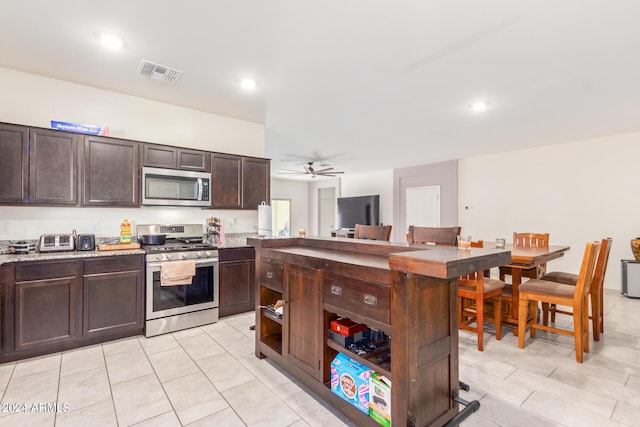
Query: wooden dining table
[524, 258]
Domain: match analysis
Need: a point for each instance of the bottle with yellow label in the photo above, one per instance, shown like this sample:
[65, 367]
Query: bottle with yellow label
[125, 231]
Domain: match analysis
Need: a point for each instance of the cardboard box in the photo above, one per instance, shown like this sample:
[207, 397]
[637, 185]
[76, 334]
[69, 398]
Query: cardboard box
[346, 326]
[350, 381]
[380, 399]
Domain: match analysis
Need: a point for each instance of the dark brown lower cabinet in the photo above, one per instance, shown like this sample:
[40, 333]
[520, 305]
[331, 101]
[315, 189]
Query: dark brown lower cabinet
[303, 308]
[237, 278]
[54, 305]
[113, 295]
[46, 304]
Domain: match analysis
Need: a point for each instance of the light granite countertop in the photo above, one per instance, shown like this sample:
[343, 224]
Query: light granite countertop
[43, 256]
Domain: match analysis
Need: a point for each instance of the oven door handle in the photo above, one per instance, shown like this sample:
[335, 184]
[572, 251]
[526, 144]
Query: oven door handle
[199, 262]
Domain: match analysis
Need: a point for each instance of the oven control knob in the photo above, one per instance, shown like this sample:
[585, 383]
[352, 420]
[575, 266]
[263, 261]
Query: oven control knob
[200, 254]
[158, 257]
[169, 256]
[207, 254]
[184, 256]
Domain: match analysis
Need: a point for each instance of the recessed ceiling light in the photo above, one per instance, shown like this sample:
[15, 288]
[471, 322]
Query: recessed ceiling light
[111, 41]
[479, 106]
[248, 84]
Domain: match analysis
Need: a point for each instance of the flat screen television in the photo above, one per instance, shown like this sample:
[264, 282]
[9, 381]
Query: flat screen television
[358, 210]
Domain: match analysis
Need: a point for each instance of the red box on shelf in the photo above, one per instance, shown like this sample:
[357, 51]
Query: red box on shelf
[347, 327]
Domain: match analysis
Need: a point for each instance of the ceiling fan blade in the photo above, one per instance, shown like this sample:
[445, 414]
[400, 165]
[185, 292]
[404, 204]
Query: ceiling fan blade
[331, 173]
[323, 170]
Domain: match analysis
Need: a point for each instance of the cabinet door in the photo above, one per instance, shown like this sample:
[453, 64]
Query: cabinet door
[112, 303]
[110, 172]
[53, 167]
[226, 177]
[237, 291]
[302, 340]
[194, 160]
[14, 163]
[113, 295]
[46, 303]
[255, 182]
[159, 156]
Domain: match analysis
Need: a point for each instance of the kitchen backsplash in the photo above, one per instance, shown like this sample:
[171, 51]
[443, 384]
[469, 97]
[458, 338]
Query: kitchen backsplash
[24, 223]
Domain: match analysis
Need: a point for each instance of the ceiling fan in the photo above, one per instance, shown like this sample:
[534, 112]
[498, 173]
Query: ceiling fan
[309, 170]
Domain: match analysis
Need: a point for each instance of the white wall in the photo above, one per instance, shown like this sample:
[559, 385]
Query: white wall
[577, 192]
[33, 100]
[298, 193]
[377, 182]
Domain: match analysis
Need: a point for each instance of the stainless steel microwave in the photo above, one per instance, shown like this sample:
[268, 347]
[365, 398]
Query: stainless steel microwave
[171, 187]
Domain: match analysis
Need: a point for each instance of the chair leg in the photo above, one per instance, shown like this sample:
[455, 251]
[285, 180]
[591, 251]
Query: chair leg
[553, 313]
[601, 304]
[595, 316]
[497, 313]
[522, 319]
[545, 313]
[585, 324]
[533, 313]
[578, 333]
[480, 323]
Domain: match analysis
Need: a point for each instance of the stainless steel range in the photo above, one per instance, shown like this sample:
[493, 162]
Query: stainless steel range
[176, 307]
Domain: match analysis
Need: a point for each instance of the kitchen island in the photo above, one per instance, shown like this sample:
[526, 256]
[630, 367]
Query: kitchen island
[406, 292]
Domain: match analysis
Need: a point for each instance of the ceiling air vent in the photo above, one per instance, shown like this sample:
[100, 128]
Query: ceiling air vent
[158, 72]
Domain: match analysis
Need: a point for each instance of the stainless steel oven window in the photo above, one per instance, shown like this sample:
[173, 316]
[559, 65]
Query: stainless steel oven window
[165, 301]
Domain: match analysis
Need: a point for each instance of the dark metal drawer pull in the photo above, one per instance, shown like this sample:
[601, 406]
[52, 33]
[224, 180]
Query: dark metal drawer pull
[370, 299]
[336, 290]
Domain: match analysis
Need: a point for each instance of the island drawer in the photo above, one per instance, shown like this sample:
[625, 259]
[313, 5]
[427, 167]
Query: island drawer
[366, 298]
[271, 273]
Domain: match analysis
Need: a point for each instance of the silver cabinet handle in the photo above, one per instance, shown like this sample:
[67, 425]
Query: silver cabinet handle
[336, 290]
[269, 274]
[370, 299]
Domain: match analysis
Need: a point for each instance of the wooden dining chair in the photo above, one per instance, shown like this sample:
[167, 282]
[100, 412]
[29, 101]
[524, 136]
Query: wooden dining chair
[373, 232]
[596, 291]
[528, 240]
[473, 291]
[433, 235]
[536, 290]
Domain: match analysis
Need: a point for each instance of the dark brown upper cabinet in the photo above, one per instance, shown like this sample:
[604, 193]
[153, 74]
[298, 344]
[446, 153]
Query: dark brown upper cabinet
[110, 172]
[53, 167]
[226, 181]
[163, 156]
[239, 182]
[256, 182]
[14, 163]
[38, 166]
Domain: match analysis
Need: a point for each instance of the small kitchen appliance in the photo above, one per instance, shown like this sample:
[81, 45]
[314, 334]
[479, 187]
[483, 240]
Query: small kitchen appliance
[86, 242]
[57, 242]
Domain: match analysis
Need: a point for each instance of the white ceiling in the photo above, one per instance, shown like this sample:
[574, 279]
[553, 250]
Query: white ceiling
[368, 84]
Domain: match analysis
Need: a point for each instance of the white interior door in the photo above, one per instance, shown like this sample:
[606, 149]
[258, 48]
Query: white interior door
[423, 206]
[326, 211]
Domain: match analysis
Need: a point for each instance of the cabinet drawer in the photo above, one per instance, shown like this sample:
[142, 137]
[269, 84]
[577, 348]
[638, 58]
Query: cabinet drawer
[234, 254]
[43, 270]
[110, 264]
[271, 274]
[367, 298]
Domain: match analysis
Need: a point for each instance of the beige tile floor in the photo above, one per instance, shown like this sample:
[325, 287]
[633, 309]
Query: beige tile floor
[208, 376]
